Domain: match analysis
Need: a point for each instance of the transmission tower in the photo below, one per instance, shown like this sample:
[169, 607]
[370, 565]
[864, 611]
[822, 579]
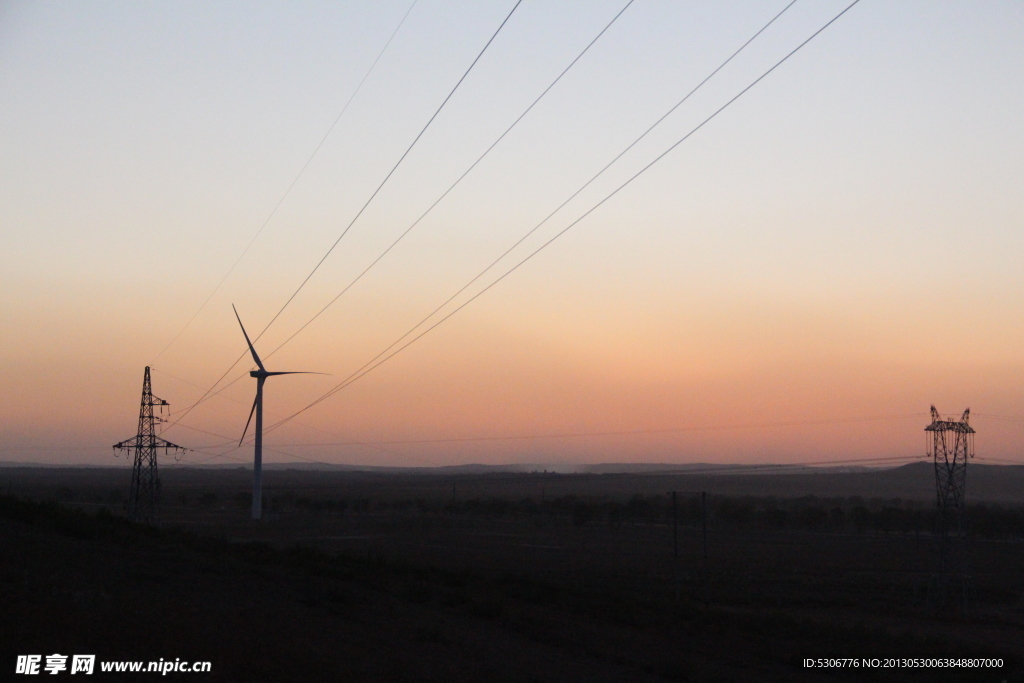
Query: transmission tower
[951, 445]
[144, 499]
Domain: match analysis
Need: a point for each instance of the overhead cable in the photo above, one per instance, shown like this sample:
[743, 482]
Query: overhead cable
[377, 363]
[288, 191]
[443, 195]
[549, 216]
[361, 210]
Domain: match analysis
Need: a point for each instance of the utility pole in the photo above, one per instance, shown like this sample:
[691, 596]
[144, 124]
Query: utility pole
[951, 445]
[704, 541]
[144, 498]
[675, 527]
[704, 533]
[675, 544]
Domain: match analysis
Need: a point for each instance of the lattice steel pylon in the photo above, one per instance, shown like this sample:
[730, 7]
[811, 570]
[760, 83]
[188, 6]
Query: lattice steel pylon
[951, 445]
[144, 499]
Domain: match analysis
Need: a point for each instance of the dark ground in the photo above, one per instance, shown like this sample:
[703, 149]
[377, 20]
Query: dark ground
[512, 577]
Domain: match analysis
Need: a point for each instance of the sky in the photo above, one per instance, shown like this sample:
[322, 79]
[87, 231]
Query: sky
[843, 241]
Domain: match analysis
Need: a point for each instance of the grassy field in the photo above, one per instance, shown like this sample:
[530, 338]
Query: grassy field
[506, 577]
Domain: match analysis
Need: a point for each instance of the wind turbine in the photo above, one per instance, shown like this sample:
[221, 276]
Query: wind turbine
[261, 376]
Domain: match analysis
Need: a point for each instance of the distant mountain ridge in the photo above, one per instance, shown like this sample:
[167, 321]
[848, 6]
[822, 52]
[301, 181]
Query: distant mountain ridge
[1000, 484]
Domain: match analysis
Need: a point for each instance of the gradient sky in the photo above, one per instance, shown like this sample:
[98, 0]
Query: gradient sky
[844, 241]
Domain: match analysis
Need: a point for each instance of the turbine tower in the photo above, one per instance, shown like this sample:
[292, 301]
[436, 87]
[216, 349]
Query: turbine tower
[261, 376]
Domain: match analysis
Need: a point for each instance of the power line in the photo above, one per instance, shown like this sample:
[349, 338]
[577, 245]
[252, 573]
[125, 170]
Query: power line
[742, 469]
[448, 191]
[185, 463]
[560, 206]
[627, 432]
[583, 187]
[291, 186]
[459, 180]
[202, 449]
[391, 172]
[295, 456]
[363, 371]
[714, 469]
[361, 210]
[1002, 461]
[549, 216]
[631, 432]
[230, 441]
[1006, 418]
[560, 435]
[578, 191]
[228, 398]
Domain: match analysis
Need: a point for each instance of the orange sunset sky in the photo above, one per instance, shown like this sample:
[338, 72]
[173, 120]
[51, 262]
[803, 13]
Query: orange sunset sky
[844, 241]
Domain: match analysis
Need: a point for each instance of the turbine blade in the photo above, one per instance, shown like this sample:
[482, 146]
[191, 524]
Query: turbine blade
[255, 357]
[248, 421]
[297, 372]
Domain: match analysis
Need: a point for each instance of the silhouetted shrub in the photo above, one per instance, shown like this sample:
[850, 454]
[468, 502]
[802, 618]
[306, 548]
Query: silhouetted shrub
[739, 513]
[811, 518]
[582, 513]
[860, 517]
[336, 506]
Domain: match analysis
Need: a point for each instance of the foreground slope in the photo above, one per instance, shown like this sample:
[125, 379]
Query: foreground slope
[71, 582]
